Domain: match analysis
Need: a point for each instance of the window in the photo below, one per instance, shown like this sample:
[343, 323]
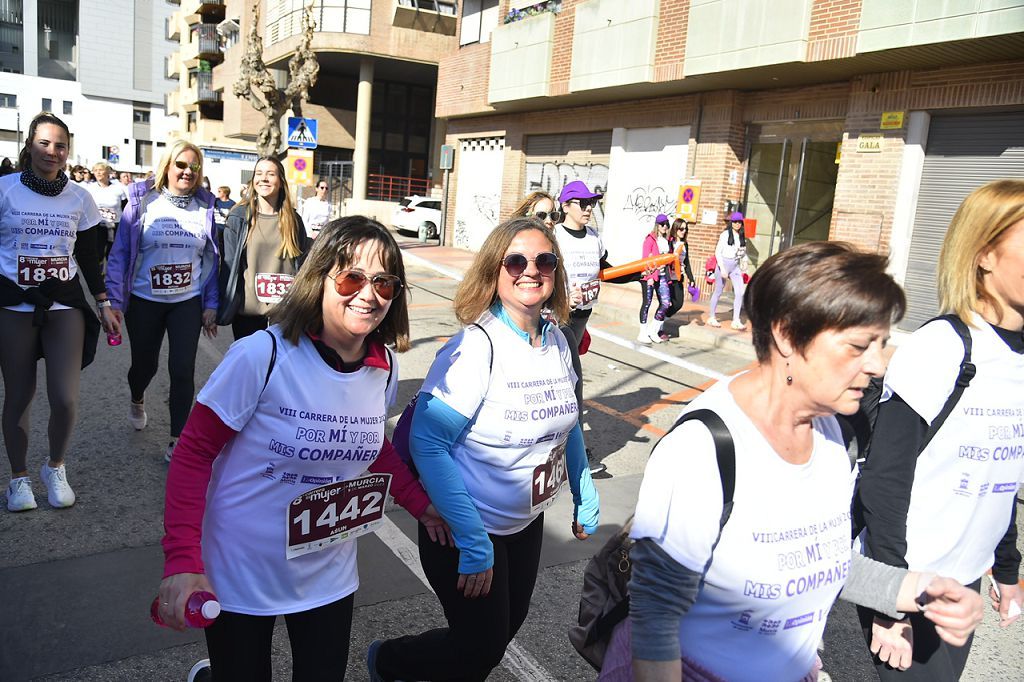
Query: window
[8, 101]
[479, 17]
[143, 153]
[67, 108]
[47, 104]
[140, 116]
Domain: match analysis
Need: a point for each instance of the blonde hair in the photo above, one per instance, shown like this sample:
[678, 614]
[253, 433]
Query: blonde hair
[286, 224]
[167, 159]
[102, 164]
[525, 207]
[479, 288]
[980, 222]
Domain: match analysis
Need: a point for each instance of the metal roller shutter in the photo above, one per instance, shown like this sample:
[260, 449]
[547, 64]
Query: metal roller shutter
[963, 153]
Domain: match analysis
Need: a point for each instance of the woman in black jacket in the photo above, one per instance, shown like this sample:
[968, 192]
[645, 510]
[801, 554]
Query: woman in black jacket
[264, 243]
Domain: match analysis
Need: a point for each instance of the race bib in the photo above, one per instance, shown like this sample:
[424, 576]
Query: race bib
[108, 216]
[34, 270]
[271, 286]
[170, 278]
[548, 479]
[590, 290]
[336, 512]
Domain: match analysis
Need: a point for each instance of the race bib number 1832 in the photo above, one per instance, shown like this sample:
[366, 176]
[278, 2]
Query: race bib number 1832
[336, 512]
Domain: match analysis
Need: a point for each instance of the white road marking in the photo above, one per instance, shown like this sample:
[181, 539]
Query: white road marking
[517, 660]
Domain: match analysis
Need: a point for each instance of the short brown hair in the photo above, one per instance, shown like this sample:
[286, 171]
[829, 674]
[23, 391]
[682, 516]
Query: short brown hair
[819, 286]
[979, 223]
[479, 288]
[301, 309]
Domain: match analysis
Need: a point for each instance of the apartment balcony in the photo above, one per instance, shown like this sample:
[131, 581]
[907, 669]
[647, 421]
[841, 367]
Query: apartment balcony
[202, 11]
[173, 65]
[174, 27]
[205, 94]
[205, 45]
[172, 102]
[521, 55]
[613, 43]
[432, 16]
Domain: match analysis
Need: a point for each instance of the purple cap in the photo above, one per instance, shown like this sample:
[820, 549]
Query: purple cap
[736, 216]
[577, 189]
[662, 218]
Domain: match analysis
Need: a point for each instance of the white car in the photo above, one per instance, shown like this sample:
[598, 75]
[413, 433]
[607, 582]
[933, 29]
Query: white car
[414, 211]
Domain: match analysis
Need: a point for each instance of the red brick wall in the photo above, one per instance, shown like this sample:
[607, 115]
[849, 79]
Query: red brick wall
[673, 21]
[561, 53]
[833, 29]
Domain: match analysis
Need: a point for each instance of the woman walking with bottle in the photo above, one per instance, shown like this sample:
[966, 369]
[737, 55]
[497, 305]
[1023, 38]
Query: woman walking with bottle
[265, 242]
[162, 276]
[45, 312]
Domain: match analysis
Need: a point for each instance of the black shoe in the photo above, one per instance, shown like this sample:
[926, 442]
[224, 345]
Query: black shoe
[596, 467]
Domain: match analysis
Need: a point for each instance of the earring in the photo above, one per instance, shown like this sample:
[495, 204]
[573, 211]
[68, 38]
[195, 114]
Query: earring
[789, 377]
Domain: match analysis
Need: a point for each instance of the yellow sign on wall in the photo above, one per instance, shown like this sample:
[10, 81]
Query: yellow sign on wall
[298, 167]
[892, 120]
[689, 199]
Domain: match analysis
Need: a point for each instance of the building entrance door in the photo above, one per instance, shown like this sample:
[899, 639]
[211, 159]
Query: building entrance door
[791, 185]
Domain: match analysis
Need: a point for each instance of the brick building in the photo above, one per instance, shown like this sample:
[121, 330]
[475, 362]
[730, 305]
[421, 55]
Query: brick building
[861, 120]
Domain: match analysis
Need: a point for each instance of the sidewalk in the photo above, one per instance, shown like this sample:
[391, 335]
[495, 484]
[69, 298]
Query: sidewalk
[618, 306]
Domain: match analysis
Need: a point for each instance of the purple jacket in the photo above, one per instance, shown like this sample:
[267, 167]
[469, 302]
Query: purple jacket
[125, 252]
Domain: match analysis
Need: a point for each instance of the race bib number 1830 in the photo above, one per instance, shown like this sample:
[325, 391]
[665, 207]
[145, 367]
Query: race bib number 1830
[34, 270]
[336, 512]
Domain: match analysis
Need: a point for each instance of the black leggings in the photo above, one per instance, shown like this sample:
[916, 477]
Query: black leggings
[147, 322]
[246, 325]
[61, 339]
[479, 630]
[573, 332]
[240, 645]
[933, 660]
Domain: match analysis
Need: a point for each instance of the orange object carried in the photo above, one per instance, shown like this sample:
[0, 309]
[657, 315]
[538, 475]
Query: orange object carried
[639, 266]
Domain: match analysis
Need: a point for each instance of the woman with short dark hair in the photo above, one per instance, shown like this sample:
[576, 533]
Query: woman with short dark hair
[760, 573]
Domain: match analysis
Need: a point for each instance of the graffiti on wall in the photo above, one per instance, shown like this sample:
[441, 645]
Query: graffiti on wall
[482, 210]
[551, 177]
[647, 201]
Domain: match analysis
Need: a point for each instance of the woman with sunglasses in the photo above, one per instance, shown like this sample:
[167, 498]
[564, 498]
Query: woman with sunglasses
[162, 278]
[655, 282]
[678, 239]
[44, 309]
[729, 251]
[495, 438]
[539, 205]
[316, 211]
[265, 242]
[316, 385]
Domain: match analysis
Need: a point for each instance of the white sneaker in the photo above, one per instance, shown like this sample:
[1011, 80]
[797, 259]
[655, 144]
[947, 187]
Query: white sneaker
[19, 495]
[137, 415]
[738, 326]
[653, 331]
[642, 336]
[170, 450]
[58, 491]
[712, 322]
[201, 671]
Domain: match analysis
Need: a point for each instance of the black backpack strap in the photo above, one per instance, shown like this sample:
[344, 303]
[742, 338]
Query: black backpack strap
[725, 452]
[391, 368]
[273, 359]
[963, 378]
[490, 363]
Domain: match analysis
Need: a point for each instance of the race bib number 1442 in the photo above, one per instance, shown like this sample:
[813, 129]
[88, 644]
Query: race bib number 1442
[336, 512]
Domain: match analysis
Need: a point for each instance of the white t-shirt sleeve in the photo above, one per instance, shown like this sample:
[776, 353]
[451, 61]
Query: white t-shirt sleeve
[233, 390]
[680, 501]
[90, 213]
[924, 368]
[391, 396]
[461, 371]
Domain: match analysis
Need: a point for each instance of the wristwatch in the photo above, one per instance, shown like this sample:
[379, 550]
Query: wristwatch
[105, 303]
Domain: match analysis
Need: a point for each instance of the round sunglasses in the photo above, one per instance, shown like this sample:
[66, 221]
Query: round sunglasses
[515, 263]
[556, 216]
[348, 282]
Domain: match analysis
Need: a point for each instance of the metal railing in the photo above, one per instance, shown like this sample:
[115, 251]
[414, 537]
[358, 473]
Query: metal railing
[204, 88]
[207, 38]
[395, 187]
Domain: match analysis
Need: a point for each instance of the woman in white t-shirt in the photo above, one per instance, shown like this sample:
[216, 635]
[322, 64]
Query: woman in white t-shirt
[284, 462]
[948, 504]
[45, 238]
[111, 198]
[495, 438]
[759, 575]
[730, 250]
[162, 276]
[316, 211]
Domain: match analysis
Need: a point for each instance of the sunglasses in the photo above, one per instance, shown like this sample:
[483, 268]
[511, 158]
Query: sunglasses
[555, 215]
[181, 165]
[348, 282]
[515, 263]
[322, 187]
[584, 203]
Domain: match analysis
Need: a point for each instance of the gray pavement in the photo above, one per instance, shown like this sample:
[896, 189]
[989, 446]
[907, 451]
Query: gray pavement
[76, 584]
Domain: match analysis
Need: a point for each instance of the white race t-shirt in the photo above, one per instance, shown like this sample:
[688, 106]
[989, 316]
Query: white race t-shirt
[315, 214]
[582, 256]
[312, 426]
[108, 201]
[784, 553]
[169, 267]
[38, 233]
[512, 454]
[966, 480]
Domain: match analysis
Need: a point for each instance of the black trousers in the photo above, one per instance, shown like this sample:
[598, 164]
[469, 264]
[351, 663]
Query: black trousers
[480, 629]
[147, 322]
[933, 659]
[246, 325]
[240, 645]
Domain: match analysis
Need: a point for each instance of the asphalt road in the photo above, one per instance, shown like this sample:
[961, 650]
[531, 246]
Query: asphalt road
[76, 584]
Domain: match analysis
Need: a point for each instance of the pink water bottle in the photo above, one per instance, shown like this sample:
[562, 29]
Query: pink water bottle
[201, 610]
[114, 339]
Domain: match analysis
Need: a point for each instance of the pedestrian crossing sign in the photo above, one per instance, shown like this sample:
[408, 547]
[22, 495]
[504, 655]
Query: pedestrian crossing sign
[302, 132]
